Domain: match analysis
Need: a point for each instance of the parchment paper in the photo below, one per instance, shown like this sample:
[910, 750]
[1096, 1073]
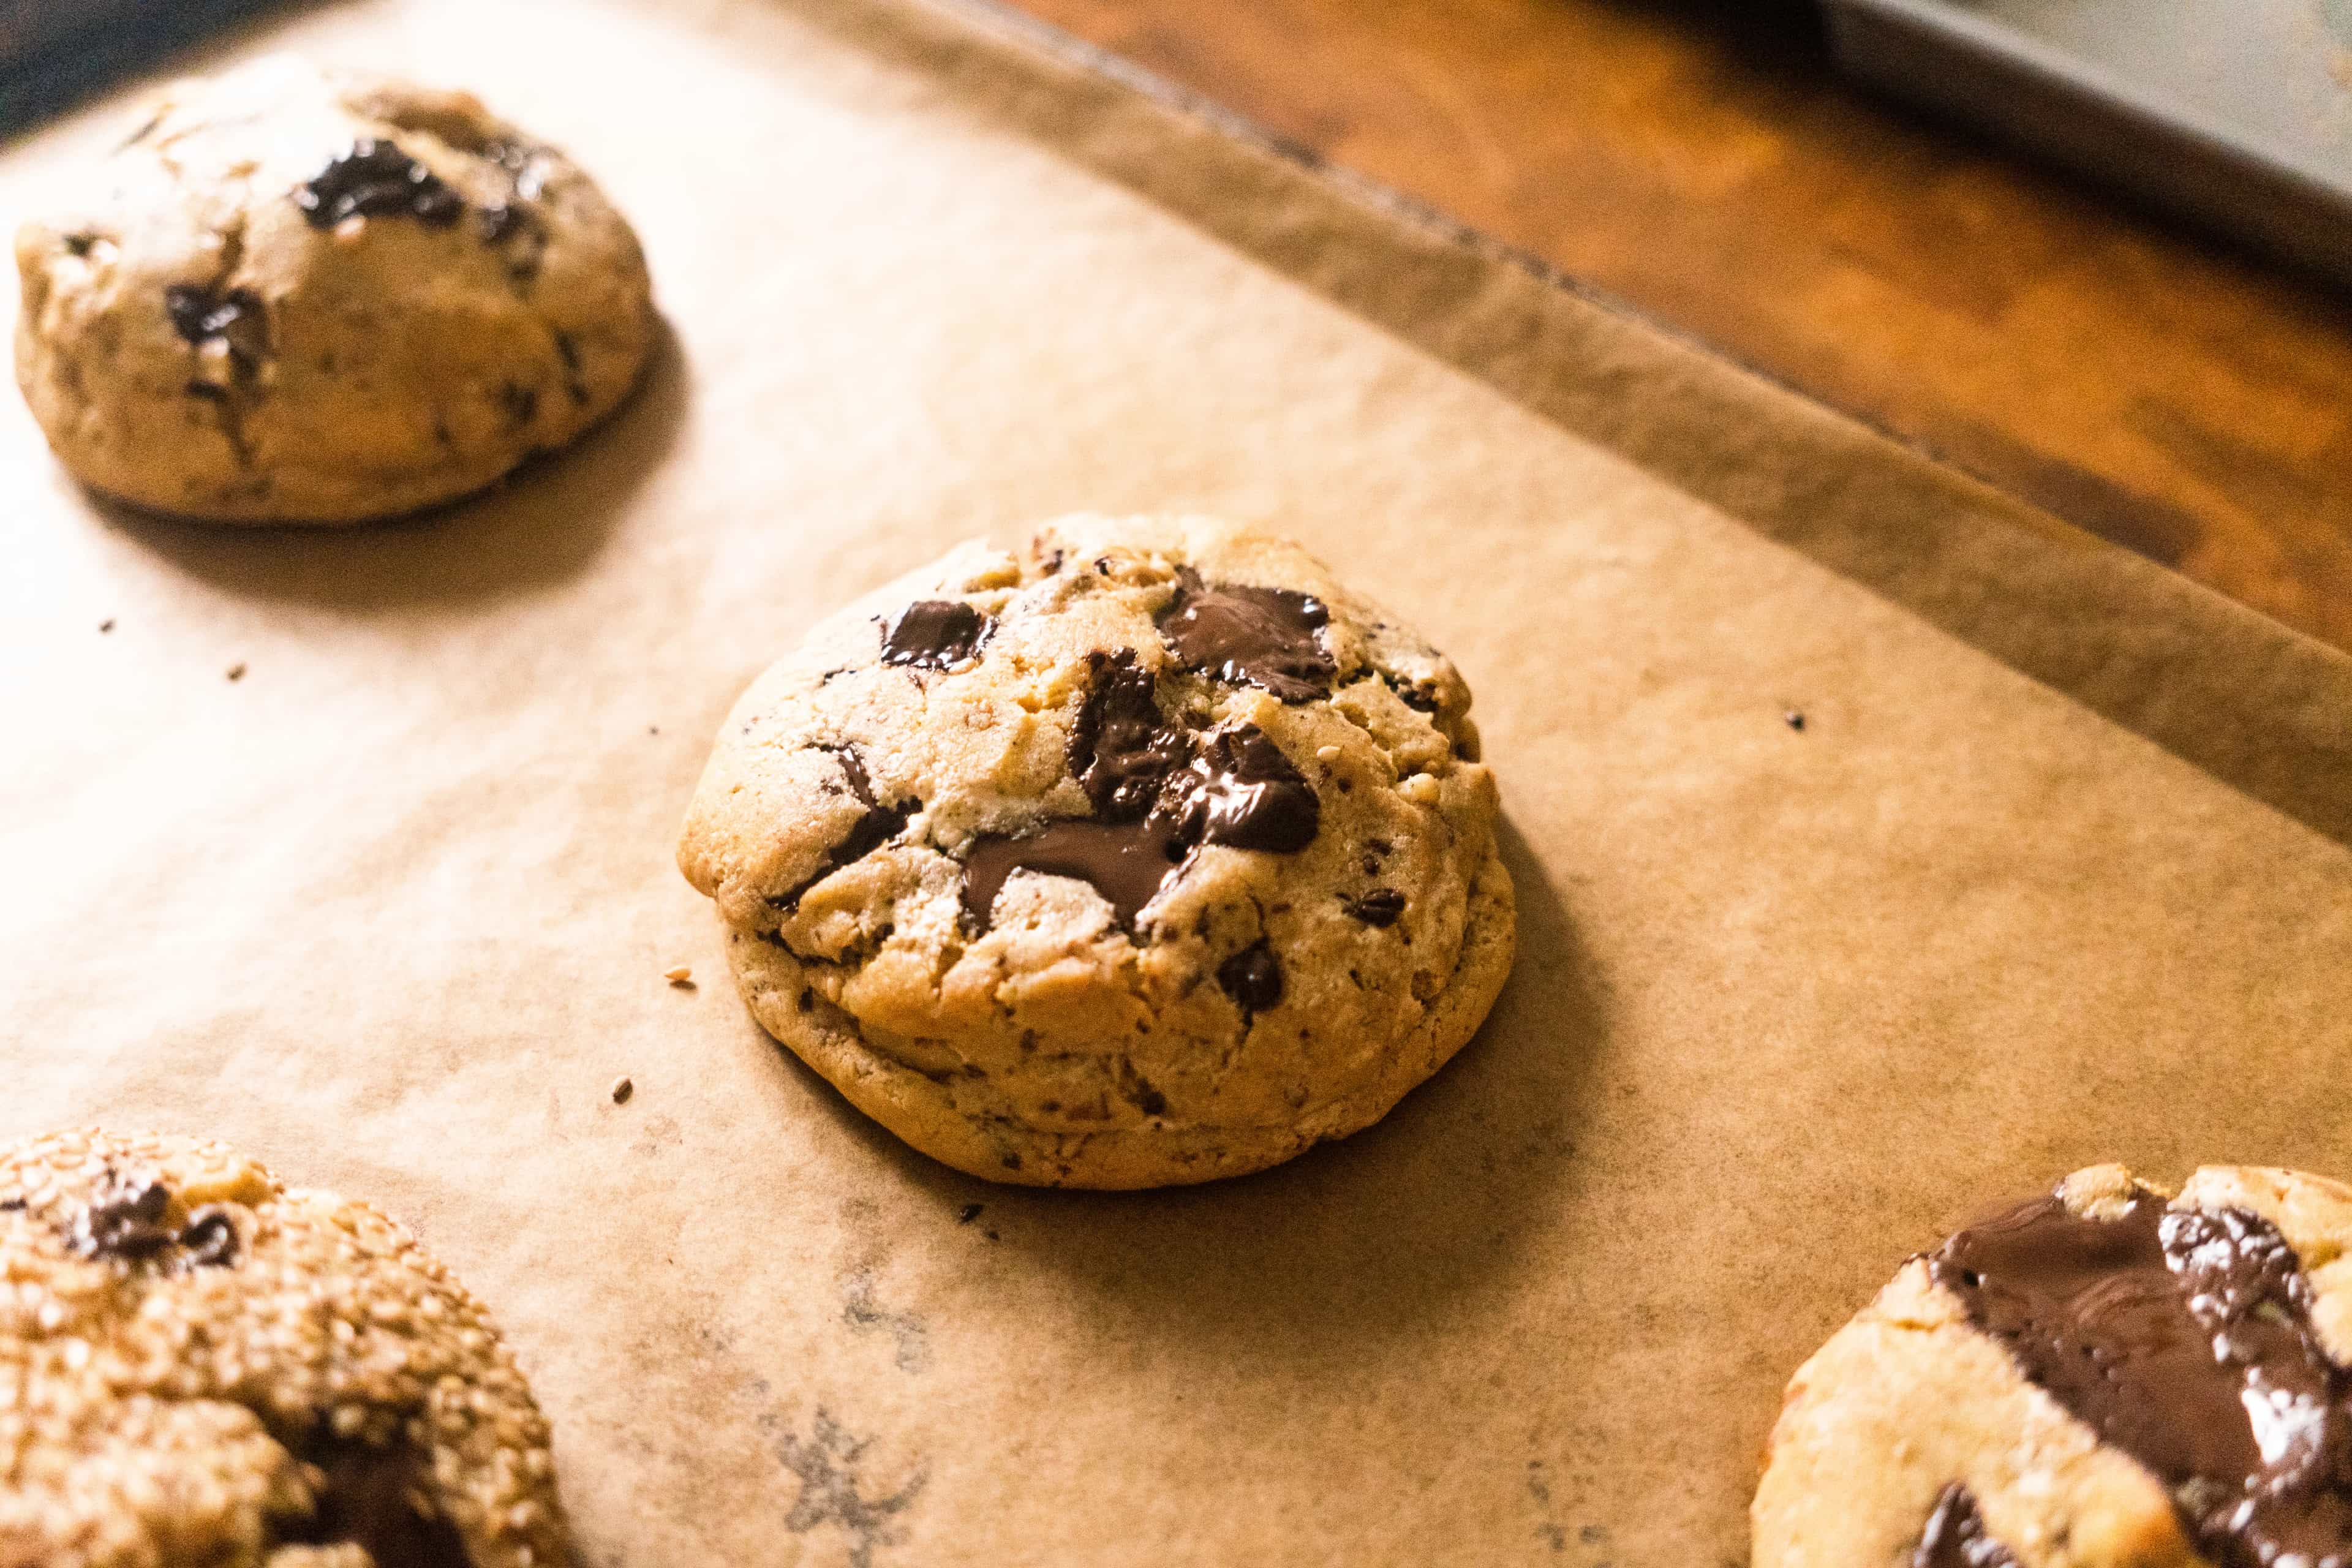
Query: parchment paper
[391, 911]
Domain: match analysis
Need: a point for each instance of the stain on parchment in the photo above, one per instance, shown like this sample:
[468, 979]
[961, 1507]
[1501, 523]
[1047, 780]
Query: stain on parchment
[862, 1312]
[833, 1493]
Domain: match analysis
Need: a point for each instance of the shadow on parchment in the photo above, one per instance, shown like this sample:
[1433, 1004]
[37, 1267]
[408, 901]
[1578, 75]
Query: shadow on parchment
[537, 527]
[1390, 1233]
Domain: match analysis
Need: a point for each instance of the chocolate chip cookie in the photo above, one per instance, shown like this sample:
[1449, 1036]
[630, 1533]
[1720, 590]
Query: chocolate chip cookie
[202, 1368]
[2102, 1377]
[299, 297]
[1147, 854]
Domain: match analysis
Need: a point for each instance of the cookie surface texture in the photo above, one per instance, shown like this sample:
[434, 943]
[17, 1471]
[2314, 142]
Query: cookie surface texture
[200, 1367]
[1145, 855]
[2106, 1376]
[297, 298]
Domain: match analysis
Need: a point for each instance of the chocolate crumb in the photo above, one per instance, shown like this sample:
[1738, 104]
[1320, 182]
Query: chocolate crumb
[992, 1236]
[622, 1088]
[106, 626]
[1795, 720]
[236, 670]
[969, 1213]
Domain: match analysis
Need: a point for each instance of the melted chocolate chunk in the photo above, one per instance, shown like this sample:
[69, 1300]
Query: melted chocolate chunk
[125, 1222]
[377, 179]
[371, 1499]
[1122, 751]
[1262, 637]
[210, 1239]
[932, 634]
[1125, 862]
[1253, 978]
[1956, 1537]
[880, 825]
[1159, 790]
[1241, 792]
[236, 318]
[1380, 907]
[2185, 1340]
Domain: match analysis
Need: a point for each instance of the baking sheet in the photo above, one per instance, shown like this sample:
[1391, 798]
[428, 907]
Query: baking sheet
[393, 910]
[2239, 112]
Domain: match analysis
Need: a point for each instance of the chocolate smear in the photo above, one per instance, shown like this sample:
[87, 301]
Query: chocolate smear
[934, 634]
[1261, 636]
[1956, 1537]
[2184, 1339]
[377, 179]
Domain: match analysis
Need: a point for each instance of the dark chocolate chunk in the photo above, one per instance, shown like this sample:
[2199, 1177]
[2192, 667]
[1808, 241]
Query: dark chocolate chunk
[377, 179]
[1125, 862]
[126, 1220]
[1262, 637]
[1241, 792]
[371, 1501]
[1380, 907]
[1420, 698]
[520, 401]
[932, 634]
[1253, 978]
[1956, 1537]
[210, 1238]
[1158, 789]
[969, 1213]
[236, 318]
[2184, 1339]
[1120, 750]
[880, 825]
[1795, 720]
[80, 244]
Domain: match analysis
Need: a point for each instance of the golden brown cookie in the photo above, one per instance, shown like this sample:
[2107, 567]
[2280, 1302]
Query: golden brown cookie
[1147, 854]
[202, 1368]
[2098, 1378]
[298, 298]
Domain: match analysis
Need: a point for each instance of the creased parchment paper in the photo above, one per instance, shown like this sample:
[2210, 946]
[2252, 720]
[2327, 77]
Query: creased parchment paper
[393, 910]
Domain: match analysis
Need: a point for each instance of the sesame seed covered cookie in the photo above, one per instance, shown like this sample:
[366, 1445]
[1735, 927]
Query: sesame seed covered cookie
[202, 1368]
[301, 298]
[2102, 1377]
[1147, 854]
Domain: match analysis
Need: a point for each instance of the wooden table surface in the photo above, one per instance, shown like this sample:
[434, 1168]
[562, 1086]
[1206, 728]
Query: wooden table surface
[1701, 160]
